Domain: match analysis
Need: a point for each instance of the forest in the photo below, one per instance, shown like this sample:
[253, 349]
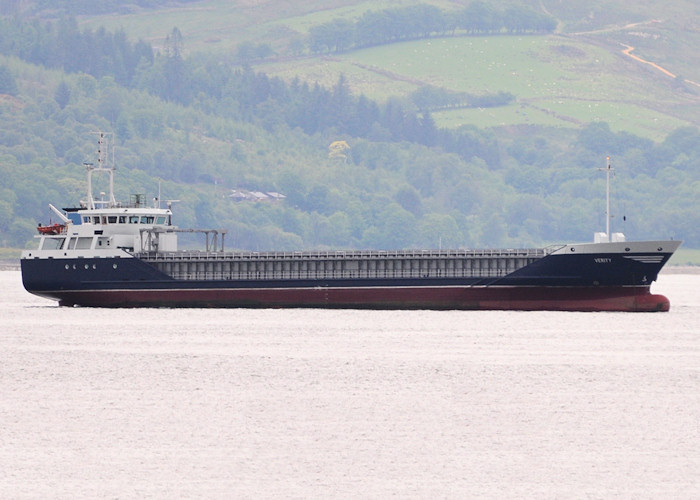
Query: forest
[201, 126]
[424, 21]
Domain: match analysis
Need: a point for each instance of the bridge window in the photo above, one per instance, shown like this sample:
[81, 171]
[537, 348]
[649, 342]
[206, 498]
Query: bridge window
[112, 219]
[75, 218]
[52, 243]
[83, 243]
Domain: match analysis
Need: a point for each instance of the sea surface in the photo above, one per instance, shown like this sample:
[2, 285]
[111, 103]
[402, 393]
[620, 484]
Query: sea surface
[163, 403]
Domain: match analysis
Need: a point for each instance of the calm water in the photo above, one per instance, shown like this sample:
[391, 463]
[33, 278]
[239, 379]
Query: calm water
[312, 403]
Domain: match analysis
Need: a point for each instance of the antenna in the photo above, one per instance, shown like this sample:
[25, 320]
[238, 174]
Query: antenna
[157, 200]
[103, 165]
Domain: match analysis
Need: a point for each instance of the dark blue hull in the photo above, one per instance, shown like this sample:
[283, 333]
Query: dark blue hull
[554, 282]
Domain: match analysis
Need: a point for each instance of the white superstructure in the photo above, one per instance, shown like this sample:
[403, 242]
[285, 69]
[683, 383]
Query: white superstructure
[106, 227]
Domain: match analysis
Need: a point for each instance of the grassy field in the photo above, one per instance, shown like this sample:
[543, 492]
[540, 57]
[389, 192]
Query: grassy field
[568, 79]
[219, 25]
[557, 81]
[567, 113]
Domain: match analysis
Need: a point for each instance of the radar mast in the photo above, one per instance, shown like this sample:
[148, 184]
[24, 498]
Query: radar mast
[103, 165]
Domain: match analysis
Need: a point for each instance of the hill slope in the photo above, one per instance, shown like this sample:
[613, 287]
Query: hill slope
[576, 75]
[527, 175]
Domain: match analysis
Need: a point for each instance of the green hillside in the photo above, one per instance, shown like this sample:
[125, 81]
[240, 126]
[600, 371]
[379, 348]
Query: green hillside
[558, 82]
[571, 77]
[505, 152]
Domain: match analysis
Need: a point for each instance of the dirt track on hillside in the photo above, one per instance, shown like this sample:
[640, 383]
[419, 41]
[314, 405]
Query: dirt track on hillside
[628, 52]
[628, 49]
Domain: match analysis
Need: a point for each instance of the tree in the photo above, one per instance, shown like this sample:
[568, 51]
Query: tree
[173, 44]
[321, 38]
[410, 200]
[598, 138]
[62, 95]
[263, 51]
[297, 46]
[440, 231]
[478, 17]
[122, 129]
[8, 85]
[174, 70]
[397, 227]
[110, 105]
[340, 104]
[428, 130]
[338, 149]
[245, 52]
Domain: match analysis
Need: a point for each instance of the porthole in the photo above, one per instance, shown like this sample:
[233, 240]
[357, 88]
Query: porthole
[573, 249]
[627, 249]
[659, 249]
[114, 266]
[67, 266]
[74, 267]
[94, 266]
[87, 266]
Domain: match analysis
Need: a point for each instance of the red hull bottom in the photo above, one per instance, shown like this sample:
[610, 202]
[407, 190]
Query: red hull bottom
[628, 299]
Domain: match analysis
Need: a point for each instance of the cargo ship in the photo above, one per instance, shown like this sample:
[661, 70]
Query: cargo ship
[105, 253]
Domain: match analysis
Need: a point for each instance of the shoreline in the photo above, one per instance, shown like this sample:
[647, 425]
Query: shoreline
[9, 265]
[680, 269]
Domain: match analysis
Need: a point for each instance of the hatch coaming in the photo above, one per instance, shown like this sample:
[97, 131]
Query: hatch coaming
[251, 266]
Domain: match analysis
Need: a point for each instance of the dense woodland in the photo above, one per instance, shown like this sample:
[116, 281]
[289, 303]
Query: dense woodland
[203, 126]
[425, 21]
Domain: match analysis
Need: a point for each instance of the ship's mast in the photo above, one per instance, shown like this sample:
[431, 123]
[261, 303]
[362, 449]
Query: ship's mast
[608, 215]
[103, 165]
